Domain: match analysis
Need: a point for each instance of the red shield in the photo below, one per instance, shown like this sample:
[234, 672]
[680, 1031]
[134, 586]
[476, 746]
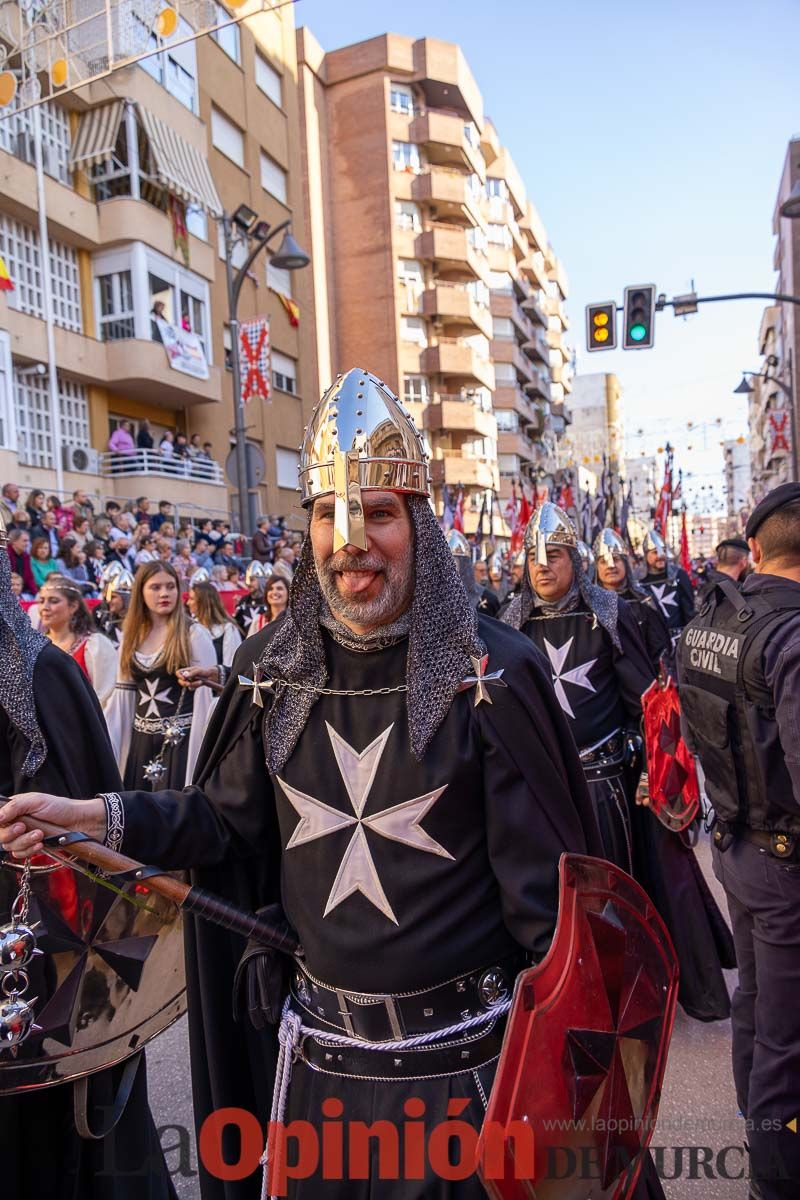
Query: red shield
[585, 1048]
[671, 773]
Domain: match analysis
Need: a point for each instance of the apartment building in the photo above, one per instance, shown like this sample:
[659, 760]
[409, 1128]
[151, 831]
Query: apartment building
[736, 458]
[430, 264]
[598, 423]
[769, 403]
[138, 169]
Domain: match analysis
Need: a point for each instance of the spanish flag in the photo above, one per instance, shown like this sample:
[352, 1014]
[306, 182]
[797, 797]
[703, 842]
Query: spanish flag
[6, 282]
[292, 309]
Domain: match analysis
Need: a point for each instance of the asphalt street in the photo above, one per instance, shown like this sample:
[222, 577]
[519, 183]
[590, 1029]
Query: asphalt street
[698, 1141]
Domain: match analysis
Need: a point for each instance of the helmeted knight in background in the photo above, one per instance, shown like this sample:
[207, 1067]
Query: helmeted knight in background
[397, 769]
[52, 738]
[739, 676]
[667, 583]
[615, 575]
[251, 606]
[109, 615]
[517, 572]
[483, 600]
[601, 670]
[587, 560]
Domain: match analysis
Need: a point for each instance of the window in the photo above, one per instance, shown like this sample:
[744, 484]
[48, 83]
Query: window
[407, 215]
[116, 306]
[500, 281]
[401, 99]
[284, 378]
[507, 420]
[477, 238]
[478, 343]
[228, 38]
[273, 178]
[508, 464]
[471, 134]
[227, 137]
[16, 137]
[416, 389]
[286, 465]
[32, 404]
[479, 292]
[405, 157]
[162, 301]
[503, 327]
[239, 251]
[8, 432]
[175, 68]
[279, 279]
[504, 373]
[414, 329]
[193, 316]
[19, 245]
[499, 235]
[268, 79]
[410, 277]
[196, 222]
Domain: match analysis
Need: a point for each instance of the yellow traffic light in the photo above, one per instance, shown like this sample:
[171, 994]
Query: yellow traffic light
[601, 326]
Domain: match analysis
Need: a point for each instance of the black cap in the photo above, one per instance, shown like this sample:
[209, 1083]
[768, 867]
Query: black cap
[735, 543]
[779, 497]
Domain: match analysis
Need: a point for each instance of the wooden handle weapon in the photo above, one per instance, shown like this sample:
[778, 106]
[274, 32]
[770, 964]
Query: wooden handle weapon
[64, 844]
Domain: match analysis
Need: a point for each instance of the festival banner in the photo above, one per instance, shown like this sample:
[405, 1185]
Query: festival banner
[184, 349]
[254, 359]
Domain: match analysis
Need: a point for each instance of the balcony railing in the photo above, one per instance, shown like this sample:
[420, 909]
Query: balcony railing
[484, 403]
[115, 464]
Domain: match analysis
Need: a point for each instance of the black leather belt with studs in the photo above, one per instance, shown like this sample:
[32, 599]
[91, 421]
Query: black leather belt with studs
[387, 1017]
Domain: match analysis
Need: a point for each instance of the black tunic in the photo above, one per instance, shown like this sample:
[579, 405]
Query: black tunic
[159, 697]
[652, 625]
[246, 612]
[40, 1150]
[463, 869]
[673, 594]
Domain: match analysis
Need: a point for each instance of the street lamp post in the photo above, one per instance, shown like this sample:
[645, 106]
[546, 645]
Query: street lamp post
[787, 387]
[236, 228]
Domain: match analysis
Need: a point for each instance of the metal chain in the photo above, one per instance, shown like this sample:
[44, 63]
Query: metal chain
[323, 691]
[21, 907]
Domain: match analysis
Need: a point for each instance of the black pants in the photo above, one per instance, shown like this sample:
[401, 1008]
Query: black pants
[764, 903]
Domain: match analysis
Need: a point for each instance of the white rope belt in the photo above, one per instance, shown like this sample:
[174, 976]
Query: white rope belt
[292, 1030]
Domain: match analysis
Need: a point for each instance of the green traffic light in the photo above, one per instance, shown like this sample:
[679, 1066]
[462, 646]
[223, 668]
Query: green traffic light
[637, 333]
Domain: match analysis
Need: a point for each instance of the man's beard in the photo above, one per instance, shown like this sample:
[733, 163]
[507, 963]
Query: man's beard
[393, 598]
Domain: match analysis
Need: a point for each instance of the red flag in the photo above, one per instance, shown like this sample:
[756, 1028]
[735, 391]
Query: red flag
[686, 561]
[510, 511]
[458, 512]
[521, 518]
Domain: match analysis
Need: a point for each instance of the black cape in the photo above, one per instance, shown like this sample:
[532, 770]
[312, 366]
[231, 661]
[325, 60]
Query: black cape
[41, 1152]
[228, 820]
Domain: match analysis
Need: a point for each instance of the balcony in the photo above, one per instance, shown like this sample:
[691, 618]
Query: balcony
[444, 77]
[456, 308]
[196, 482]
[449, 248]
[539, 385]
[518, 443]
[511, 396]
[505, 304]
[140, 369]
[121, 219]
[453, 468]
[532, 306]
[447, 188]
[537, 348]
[449, 412]
[446, 144]
[507, 350]
[534, 269]
[452, 357]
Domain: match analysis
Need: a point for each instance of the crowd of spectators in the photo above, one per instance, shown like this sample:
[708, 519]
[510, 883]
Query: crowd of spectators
[47, 536]
[184, 455]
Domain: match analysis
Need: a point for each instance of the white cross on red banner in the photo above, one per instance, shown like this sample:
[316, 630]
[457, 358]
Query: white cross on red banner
[254, 358]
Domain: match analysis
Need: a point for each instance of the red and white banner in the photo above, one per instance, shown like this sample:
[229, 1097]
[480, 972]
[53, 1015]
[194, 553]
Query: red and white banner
[778, 432]
[254, 359]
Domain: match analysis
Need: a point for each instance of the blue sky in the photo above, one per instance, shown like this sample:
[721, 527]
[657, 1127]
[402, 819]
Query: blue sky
[651, 139]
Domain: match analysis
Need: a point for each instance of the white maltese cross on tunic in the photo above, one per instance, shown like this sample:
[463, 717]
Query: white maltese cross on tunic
[400, 823]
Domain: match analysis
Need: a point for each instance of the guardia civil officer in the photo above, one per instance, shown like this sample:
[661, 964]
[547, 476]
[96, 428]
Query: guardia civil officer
[733, 561]
[739, 671]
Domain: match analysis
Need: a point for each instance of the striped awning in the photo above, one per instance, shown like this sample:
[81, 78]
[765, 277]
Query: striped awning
[97, 136]
[179, 167]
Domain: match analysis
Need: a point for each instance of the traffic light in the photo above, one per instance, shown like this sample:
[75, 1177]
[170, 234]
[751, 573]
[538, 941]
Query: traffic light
[601, 326]
[638, 317]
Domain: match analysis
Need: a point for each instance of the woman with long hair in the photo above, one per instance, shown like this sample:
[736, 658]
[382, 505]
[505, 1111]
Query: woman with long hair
[35, 506]
[276, 601]
[156, 724]
[42, 561]
[208, 610]
[72, 565]
[67, 622]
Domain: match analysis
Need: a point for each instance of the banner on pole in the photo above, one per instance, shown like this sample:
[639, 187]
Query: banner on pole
[254, 359]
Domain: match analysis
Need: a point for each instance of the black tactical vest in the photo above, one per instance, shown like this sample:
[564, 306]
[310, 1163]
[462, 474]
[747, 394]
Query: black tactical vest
[730, 710]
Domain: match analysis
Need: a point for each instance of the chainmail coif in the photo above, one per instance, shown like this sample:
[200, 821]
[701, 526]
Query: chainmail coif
[605, 605]
[443, 636]
[20, 646]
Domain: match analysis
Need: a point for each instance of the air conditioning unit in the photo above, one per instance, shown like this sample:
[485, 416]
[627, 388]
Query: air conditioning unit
[80, 458]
